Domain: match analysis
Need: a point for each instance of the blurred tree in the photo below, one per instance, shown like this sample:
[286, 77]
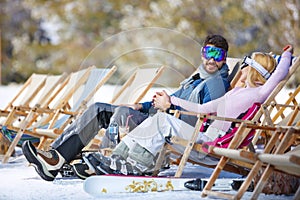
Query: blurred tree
[54, 36]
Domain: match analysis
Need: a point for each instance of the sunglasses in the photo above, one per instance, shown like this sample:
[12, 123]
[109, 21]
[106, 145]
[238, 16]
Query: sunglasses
[216, 53]
[247, 61]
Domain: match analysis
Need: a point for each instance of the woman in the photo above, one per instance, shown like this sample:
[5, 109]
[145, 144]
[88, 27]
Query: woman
[137, 151]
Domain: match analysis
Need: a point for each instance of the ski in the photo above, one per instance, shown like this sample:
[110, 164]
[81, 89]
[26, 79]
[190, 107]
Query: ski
[100, 185]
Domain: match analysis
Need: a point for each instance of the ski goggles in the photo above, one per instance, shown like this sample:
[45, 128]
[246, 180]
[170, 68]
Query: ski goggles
[216, 53]
[247, 61]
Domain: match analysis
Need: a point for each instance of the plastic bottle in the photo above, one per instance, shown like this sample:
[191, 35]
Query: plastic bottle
[113, 131]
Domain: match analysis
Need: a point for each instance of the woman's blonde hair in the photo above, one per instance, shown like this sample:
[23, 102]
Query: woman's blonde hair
[267, 61]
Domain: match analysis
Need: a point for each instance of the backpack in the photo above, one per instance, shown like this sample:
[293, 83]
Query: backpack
[224, 141]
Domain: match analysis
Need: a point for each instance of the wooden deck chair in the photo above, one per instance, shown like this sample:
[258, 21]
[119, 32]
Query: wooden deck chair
[236, 141]
[25, 99]
[239, 137]
[249, 117]
[97, 78]
[63, 95]
[52, 83]
[26, 94]
[272, 156]
[132, 92]
[287, 132]
[136, 87]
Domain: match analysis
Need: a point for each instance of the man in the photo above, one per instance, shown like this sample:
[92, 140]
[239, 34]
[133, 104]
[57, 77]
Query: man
[210, 83]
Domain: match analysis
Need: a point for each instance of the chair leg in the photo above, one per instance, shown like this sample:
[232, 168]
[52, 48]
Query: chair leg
[214, 175]
[12, 147]
[160, 159]
[262, 182]
[269, 169]
[188, 149]
[14, 143]
[258, 164]
[245, 185]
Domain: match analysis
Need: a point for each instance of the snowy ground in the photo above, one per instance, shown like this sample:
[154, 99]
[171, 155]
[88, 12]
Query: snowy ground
[18, 181]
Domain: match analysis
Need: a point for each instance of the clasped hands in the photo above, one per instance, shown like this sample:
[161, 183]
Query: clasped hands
[161, 101]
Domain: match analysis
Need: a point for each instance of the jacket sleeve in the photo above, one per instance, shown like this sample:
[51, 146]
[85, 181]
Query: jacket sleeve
[146, 106]
[213, 89]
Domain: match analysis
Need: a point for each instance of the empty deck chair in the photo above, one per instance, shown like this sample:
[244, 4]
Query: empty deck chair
[45, 114]
[24, 100]
[272, 158]
[26, 94]
[52, 83]
[137, 85]
[97, 78]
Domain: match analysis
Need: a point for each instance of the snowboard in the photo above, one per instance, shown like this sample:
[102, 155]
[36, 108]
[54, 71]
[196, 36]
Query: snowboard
[101, 185]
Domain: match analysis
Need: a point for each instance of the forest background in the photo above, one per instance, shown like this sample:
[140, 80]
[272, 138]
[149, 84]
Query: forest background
[40, 36]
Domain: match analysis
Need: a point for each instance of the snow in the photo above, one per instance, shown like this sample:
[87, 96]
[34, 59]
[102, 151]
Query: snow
[19, 181]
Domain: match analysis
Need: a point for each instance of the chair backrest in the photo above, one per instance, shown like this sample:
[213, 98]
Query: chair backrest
[28, 91]
[51, 83]
[136, 87]
[232, 63]
[234, 70]
[97, 78]
[224, 141]
[59, 100]
[77, 79]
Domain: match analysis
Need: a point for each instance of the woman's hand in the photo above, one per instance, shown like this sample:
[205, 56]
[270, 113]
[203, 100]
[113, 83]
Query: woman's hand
[161, 101]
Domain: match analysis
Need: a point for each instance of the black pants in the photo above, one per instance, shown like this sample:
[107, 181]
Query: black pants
[86, 127]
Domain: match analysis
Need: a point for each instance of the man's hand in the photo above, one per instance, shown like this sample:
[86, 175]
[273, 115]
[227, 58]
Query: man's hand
[136, 106]
[161, 101]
